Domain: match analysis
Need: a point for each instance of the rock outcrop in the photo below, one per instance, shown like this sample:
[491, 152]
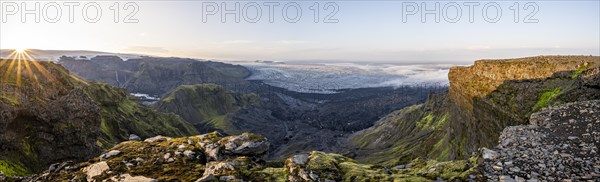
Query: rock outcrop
[561, 144]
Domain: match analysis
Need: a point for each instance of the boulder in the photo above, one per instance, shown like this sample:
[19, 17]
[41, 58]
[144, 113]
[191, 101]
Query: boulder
[95, 170]
[134, 137]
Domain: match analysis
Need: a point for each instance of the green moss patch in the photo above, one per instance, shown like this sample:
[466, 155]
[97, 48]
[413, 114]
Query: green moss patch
[12, 169]
[546, 97]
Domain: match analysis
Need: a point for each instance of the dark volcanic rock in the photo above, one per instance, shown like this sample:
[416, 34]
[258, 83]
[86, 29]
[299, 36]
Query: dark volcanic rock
[561, 144]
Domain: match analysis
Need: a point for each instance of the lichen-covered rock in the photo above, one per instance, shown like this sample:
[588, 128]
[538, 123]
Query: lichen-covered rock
[247, 143]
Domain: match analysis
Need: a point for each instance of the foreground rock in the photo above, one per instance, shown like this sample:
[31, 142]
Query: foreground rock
[560, 145]
[208, 156]
[212, 157]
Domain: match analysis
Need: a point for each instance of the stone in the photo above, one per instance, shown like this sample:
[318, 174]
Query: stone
[134, 137]
[300, 159]
[314, 177]
[497, 168]
[207, 178]
[506, 179]
[217, 168]
[128, 178]
[227, 178]
[245, 144]
[53, 167]
[399, 167]
[213, 152]
[519, 179]
[158, 138]
[189, 153]
[489, 154]
[110, 154]
[95, 170]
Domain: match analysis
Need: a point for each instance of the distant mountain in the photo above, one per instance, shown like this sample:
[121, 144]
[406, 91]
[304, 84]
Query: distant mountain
[54, 55]
[155, 76]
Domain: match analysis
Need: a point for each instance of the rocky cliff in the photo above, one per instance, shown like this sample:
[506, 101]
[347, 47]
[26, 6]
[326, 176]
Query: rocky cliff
[494, 94]
[483, 100]
[48, 115]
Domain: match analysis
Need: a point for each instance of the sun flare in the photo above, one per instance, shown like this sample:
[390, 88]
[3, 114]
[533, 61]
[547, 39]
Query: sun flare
[20, 50]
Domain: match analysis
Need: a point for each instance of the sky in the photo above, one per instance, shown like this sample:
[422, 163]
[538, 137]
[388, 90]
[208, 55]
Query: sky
[346, 31]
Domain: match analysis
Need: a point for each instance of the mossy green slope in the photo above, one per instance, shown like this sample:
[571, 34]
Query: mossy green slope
[207, 106]
[123, 115]
[415, 131]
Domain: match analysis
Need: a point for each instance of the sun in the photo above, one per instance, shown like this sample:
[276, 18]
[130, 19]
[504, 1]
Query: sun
[20, 50]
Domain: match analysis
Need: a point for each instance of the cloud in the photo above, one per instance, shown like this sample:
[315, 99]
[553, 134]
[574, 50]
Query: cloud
[478, 47]
[146, 49]
[237, 42]
[294, 42]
